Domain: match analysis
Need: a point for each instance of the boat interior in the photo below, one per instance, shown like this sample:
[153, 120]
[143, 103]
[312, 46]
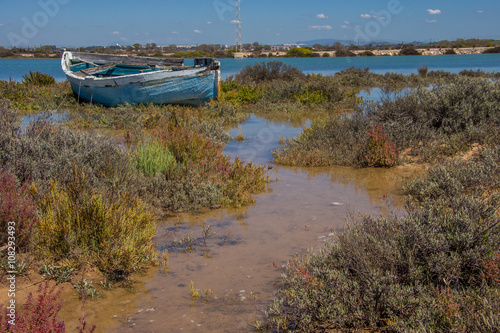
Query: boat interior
[110, 66]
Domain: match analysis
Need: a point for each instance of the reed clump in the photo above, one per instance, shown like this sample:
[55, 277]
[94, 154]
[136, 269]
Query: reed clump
[152, 158]
[435, 269]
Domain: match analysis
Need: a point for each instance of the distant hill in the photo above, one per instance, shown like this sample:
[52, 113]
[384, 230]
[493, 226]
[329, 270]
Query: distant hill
[324, 41]
[331, 41]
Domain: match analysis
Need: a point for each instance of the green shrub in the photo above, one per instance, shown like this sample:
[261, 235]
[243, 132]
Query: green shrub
[38, 78]
[367, 54]
[152, 158]
[408, 50]
[243, 181]
[344, 53]
[422, 71]
[268, 71]
[59, 274]
[114, 236]
[300, 52]
[239, 94]
[203, 175]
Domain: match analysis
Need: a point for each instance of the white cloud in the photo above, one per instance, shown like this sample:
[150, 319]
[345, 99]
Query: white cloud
[344, 27]
[196, 31]
[322, 16]
[208, 22]
[175, 32]
[235, 22]
[434, 11]
[430, 21]
[320, 27]
[366, 16]
[115, 33]
[1, 24]
[479, 12]
[347, 22]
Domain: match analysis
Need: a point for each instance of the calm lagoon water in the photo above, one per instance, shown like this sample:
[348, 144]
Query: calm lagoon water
[15, 68]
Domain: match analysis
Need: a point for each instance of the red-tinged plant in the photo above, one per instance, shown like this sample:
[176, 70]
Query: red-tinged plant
[381, 151]
[82, 320]
[449, 305]
[308, 278]
[492, 269]
[36, 317]
[187, 144]
[16, 205]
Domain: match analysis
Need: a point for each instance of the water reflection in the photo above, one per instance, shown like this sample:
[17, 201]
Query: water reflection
[52, 117]
[261, 138]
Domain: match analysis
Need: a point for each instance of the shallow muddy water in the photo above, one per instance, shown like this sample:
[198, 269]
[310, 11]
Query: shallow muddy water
[234, 257]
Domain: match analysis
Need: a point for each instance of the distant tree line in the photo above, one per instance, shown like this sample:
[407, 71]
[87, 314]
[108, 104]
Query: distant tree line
[252, 50]
[43, 51]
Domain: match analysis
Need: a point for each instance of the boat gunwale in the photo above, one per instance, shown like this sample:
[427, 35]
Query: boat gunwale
[178, 73]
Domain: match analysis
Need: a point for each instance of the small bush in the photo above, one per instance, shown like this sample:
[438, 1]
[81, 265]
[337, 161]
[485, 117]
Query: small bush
[243, 181]
[114, 236]
[381, 152]
[367, 54]
[204, 176]
[268, 71]
[239, 94]
[299, 52]
[86, 289]
[59, 274]
[408, 50]
[344, 53]
[38, 78]
[152, 158]
[18, 206]
[37, 316]
[422, 71]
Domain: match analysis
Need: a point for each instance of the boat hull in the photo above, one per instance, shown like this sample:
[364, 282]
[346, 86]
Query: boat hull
[193, 86]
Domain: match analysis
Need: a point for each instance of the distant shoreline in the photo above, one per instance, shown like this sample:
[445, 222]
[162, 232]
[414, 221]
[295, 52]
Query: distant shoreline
[382, 53]
[282, 54]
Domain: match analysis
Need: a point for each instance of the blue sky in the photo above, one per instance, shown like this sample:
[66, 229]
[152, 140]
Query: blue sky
[125, 22]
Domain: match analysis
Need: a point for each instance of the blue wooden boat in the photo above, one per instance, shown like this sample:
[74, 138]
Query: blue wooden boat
[112, 80]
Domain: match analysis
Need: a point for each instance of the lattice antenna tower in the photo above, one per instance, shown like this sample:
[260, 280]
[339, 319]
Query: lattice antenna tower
[238, 26]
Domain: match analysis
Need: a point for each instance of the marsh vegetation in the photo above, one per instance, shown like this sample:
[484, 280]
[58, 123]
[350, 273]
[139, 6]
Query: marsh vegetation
[86, 191]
